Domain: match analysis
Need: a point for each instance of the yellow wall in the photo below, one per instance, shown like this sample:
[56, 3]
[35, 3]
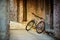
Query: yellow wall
[31, 8]
[21, 11]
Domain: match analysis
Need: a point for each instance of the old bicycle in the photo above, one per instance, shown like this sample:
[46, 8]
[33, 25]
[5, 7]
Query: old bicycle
[38, 26]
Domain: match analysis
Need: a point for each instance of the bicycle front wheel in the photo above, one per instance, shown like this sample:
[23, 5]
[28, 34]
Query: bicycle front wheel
[29, 25]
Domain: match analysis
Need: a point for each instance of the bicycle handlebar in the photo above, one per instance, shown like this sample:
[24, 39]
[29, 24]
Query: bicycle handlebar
[37, 16]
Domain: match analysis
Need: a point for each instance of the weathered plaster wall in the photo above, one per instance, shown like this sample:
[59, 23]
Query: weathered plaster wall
[47, 13]
[20, 11]
[56, 17]
[33, 7]
[3, 19]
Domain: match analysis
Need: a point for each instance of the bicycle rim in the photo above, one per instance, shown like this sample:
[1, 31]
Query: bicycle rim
[29, 25]
[39, 28]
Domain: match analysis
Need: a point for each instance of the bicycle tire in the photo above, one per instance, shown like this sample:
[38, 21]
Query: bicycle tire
[32, 21]
[37, 27]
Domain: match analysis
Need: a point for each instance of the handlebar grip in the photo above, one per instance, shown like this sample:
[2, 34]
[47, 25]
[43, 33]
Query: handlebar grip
[37, 16]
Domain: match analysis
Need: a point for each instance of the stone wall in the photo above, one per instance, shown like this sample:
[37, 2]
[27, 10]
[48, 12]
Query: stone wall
[13, 10]
[56, 16]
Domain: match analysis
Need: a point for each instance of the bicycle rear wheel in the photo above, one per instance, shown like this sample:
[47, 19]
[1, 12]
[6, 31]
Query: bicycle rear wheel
[40, 27]
[29, 25]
